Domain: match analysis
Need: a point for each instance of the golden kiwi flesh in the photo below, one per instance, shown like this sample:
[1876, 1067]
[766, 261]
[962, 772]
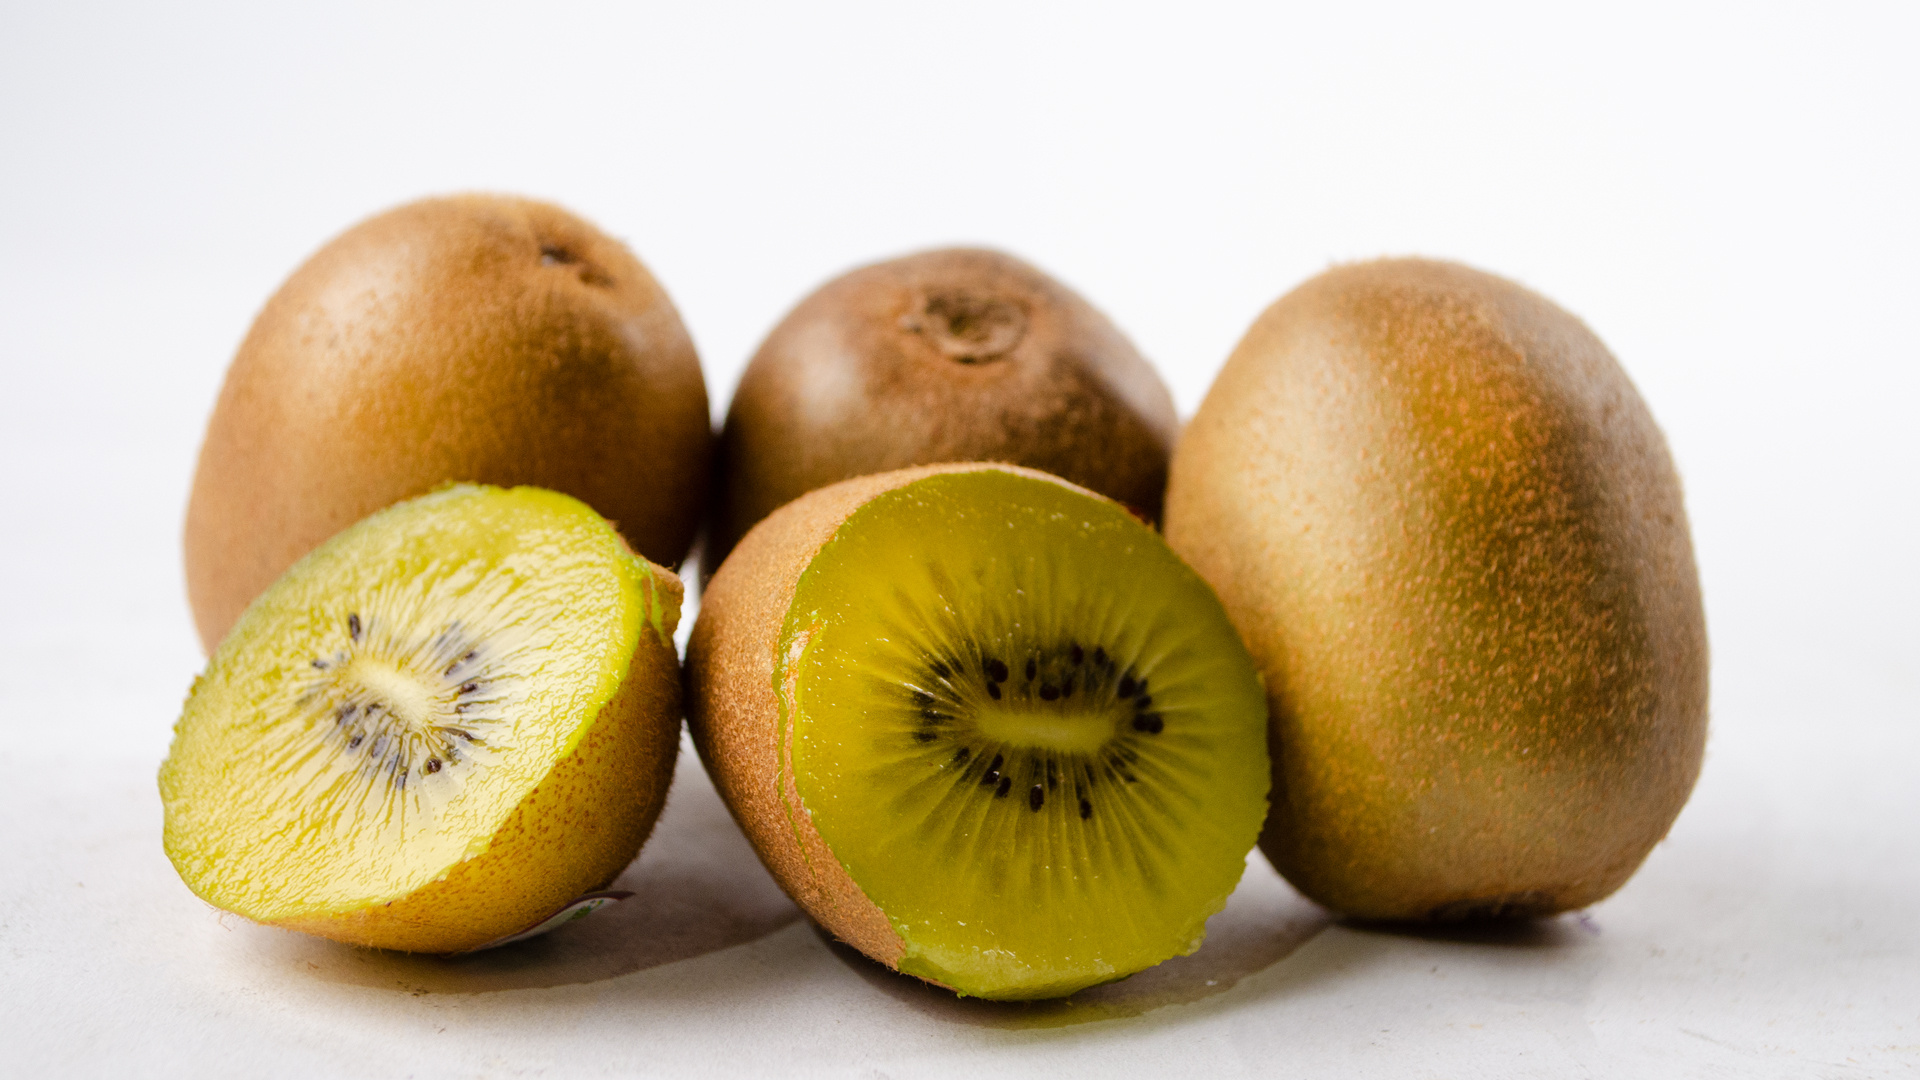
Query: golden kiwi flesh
[983, 725]
[942, 356]
[476, 338]
[436, 731]
[1453, 538]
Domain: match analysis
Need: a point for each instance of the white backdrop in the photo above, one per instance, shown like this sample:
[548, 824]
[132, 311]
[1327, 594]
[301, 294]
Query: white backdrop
[1726, 193]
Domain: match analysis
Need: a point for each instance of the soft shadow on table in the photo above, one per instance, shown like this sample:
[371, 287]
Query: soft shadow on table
[1263, 922]
[1554, 932]
[698, 888]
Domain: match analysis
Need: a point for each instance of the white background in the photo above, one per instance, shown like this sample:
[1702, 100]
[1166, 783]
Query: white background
[1727, 194]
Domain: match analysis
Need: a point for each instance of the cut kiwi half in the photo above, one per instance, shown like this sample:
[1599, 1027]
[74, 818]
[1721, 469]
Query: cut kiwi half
[436, 730]
[983, 725]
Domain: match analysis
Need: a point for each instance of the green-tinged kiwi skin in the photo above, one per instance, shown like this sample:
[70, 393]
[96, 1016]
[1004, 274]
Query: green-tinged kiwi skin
[943, 356]
[1452, 536]
[477, 338]
[737, 702]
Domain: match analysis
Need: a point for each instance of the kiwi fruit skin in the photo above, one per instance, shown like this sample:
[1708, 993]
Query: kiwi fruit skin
[479, 338]
[571, 833]
[733, 708]
[1453, 537]
[955, 355]
[736, 713]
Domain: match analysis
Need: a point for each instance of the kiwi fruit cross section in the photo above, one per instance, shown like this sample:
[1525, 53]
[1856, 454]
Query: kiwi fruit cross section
[989, 729]
[434, 731]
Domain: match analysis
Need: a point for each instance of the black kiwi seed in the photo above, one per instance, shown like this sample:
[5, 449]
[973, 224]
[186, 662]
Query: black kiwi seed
[961, 755]
[941, 669]
[924, 736]
[1100, 655]
[1086, 809]
[354, 743]
[433, 764]
[1006, 785]
[921, 697]
[1149, 723]
[996, 671]
[1036, 796]
[1145, 701]
[1032, 669]
[1049, 692]
[1127, 686]
[1076, 654]
[353, 626]
[993, 691]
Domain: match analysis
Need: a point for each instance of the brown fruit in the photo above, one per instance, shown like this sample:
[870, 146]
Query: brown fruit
[477, 338]
[1453, 538]
[957, 355]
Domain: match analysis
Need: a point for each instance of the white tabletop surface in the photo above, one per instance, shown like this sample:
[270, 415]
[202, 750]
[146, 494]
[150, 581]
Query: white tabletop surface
[1725, 196]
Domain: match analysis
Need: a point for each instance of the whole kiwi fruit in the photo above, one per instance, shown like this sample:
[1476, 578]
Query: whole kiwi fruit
[983, 725]
[475, 338]
[951, 355]
[1453, 538]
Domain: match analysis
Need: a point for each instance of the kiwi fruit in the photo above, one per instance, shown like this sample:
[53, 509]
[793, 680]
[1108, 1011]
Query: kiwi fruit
[476, 338]
[983, 725]
[1452, 536]
[943, 356]
[436, 730]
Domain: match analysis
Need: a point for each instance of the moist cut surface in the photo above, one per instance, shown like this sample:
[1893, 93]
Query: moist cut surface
[1026, 730]
[373, 721]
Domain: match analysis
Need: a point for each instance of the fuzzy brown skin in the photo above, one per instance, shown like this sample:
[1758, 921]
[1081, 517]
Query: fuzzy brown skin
[475, 338]
[735, 712]
[1453, 538]
[957, 355]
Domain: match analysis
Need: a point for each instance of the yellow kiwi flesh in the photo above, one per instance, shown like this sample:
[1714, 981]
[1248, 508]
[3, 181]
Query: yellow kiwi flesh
[1453, 538]
[983, 725]
[476, 338]
[435, 730]
[942, 356]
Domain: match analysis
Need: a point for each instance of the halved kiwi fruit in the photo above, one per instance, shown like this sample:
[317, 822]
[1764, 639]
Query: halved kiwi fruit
[983, 725]
[436, 730]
